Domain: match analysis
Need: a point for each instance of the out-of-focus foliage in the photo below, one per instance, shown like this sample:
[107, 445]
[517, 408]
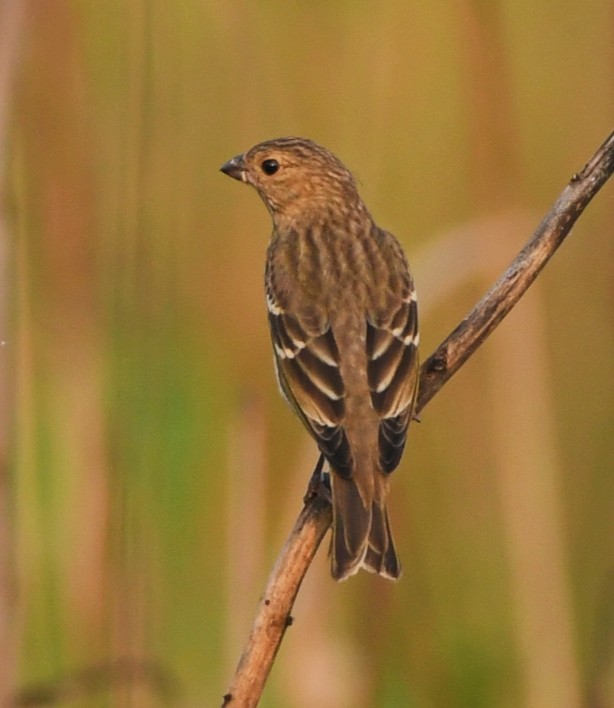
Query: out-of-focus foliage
[153, 471]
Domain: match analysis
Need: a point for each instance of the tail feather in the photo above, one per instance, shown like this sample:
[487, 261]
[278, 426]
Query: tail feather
[361, 534]
[381, 557]
[351, 524]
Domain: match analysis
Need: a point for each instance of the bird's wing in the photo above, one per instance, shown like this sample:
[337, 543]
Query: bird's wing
[392, 370]
[307, 367]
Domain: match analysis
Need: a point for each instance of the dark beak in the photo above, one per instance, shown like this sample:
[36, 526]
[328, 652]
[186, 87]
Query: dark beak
[235, 168]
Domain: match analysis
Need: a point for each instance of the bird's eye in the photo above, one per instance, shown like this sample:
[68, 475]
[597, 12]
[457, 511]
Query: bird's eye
[270, 167]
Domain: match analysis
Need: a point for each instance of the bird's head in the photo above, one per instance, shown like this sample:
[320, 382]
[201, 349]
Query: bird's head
[294, 176]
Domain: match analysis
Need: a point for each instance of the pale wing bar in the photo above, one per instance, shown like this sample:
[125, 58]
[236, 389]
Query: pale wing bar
[392, 354]
[308, 372]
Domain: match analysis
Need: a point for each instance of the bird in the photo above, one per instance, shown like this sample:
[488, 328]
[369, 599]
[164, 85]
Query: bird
[343, 319]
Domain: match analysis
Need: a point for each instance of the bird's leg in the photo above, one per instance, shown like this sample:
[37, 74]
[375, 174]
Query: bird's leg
[319, 483]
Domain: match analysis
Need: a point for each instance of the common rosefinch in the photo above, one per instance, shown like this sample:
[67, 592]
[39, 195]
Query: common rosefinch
[344, 323]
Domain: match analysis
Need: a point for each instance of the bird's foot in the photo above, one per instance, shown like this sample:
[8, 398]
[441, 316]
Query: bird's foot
[319, 484]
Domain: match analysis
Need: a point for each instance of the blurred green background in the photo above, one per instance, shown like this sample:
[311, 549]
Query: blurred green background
[150, 471]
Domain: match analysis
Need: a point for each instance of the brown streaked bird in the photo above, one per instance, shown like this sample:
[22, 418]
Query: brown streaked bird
[344, 323]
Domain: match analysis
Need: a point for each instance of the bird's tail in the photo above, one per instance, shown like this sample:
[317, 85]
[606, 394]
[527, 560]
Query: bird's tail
[361, 534]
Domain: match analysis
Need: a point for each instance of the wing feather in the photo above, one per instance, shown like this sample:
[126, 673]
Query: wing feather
[307, 366]
[392, 370]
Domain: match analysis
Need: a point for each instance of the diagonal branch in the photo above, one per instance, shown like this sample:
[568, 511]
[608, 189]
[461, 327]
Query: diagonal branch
[273, 616]
[511, 286]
